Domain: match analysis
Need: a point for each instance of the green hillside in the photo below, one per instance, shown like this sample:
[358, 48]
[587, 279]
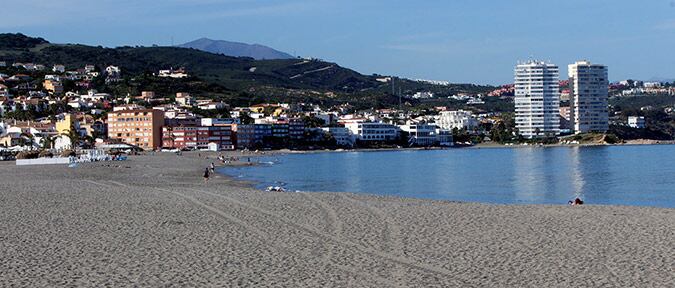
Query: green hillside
[222, 76]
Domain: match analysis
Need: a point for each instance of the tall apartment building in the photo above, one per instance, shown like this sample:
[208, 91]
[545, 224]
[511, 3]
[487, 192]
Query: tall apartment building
[537, 99]
[588, 97]
[142, 127]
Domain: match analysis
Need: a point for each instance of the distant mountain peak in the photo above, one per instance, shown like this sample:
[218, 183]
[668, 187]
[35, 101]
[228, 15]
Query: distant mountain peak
[236, 49]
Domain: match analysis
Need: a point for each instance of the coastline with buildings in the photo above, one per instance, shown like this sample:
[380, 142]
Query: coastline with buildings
[547, 111]
[152, 219]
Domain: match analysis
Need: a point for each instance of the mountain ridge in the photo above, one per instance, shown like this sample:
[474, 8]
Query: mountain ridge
[236, 49]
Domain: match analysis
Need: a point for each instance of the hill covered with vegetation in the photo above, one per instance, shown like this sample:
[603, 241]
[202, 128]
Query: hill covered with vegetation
[228, 78]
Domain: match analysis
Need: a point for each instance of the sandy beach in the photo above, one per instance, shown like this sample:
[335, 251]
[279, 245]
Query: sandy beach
[152, 221]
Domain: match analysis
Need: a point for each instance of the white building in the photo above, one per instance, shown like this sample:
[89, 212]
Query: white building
[93, 95]
[420, 134]
[459, 119]
[651, 84]
[342, 135]
[180, 73]
[113, 71]
[185, 99]
[423, 95]
[636, 122]
[537, 99]
[59, 68]
[372, 131]
[588, 89]
[219, 121]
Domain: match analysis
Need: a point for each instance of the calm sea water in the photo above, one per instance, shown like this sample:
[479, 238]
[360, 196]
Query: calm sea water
[620, 175]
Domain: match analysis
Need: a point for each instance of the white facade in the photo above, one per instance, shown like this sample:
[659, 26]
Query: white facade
[588, 83]
[459, 119]
[372, 131]
[113, 70]
[636, 122]
[219, 121]
[59, 68]
[420, 134]
[423, 95]
[342, 135]
[537, 99]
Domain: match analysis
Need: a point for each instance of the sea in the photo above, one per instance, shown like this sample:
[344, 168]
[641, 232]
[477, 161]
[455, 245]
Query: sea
[641, 175]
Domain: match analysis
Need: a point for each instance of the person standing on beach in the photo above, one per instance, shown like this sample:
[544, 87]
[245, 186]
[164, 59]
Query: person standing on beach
[206, 175]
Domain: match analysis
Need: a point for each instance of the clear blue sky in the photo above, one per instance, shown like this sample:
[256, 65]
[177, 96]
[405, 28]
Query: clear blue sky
[476, 41]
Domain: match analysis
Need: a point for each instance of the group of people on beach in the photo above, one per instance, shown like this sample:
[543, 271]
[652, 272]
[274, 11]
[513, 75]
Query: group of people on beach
[227, 160]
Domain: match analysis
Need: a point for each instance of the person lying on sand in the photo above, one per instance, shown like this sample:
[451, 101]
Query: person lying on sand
[576, 201]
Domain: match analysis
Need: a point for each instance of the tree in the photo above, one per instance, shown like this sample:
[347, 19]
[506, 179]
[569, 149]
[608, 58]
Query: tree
[313, 122]
[27, 139]
[74, 136]
[48, 142]
[246, 119]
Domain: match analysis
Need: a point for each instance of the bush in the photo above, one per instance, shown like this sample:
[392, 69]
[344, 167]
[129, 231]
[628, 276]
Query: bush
[611, 139]
[67, 153]
[45, 154]
[28, 155]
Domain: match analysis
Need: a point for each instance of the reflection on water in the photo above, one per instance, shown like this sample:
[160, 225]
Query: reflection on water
[630, 175]
[577, 176]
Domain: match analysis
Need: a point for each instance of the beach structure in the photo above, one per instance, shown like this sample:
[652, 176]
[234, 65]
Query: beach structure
[588, 100]
[537, 99]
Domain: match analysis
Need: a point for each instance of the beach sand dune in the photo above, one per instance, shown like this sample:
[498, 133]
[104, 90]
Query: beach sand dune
[151, 221]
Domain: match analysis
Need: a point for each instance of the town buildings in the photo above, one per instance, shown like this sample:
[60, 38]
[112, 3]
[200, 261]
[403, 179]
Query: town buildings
[199, 137]
[140, 127]
[636, 122]
[373, 131]
[588, 97]
[420, 134]
[342, 135]
[245, 136]
[459, 119]
[537, 99]
[53, 86]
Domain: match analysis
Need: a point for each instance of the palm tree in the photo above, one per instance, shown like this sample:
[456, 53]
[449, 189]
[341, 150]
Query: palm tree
[30, 139]
[73, 135]
[48, 142]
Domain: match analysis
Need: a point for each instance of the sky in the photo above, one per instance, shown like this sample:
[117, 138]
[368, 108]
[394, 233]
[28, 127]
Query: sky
[461, 41]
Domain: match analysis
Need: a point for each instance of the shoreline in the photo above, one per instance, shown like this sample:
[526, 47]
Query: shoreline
[229, 170]
[151, 222]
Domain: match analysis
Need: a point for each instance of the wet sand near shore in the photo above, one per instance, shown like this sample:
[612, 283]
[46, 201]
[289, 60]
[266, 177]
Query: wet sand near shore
[152, 221]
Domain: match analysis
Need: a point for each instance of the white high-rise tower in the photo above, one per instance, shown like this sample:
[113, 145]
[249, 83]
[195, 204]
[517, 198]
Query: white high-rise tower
[537, 99]
[588, 97]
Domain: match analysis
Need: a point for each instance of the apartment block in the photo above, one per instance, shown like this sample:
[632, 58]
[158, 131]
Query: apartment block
[588, 97]
[142, 127]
